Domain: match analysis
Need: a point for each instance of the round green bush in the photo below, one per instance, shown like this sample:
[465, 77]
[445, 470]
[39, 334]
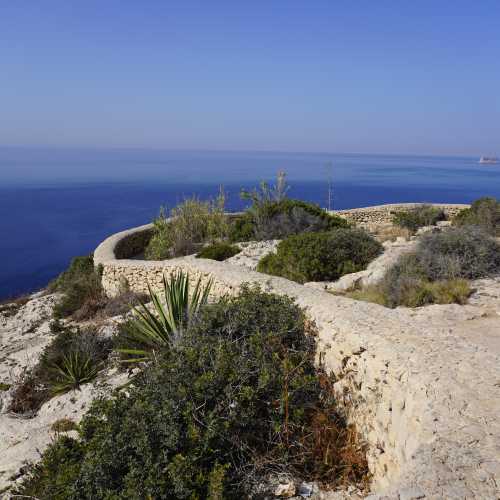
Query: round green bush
[324, 256]
[459, 252]
[484, 212]
[279, 219]
[218, 251]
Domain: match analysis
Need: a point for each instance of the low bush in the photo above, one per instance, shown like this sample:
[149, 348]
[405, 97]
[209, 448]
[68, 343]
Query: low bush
[122, 303]
[402, 288]
[192, 223]
[72, 358]
[420, 216]
[438, 270]
[321, 256]
[82, 292]
[279, 219]
[237, 400]
[484, 212]
[462, 252]
[218, 251]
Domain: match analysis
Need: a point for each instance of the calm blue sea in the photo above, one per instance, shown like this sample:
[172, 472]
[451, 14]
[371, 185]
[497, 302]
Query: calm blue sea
[55, 204]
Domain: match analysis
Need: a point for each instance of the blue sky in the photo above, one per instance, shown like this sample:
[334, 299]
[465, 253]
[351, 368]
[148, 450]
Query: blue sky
[337, 76]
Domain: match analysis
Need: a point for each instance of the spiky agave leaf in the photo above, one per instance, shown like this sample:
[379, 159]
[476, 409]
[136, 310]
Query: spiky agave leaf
[76, 369]
[158, 327]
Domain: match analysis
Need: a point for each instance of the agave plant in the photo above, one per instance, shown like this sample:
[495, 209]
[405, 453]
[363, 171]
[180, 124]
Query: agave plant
[75, 370]
[160, 326]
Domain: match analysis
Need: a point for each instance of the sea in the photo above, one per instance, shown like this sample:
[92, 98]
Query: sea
[59, 203]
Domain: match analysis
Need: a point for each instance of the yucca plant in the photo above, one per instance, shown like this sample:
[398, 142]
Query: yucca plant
[159, 327]
[75, 370]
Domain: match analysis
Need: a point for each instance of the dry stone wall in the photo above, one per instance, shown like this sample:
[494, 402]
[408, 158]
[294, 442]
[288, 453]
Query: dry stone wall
[383, 214]
[423, 400]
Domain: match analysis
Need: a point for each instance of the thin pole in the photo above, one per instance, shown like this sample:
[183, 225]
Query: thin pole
[329, 169]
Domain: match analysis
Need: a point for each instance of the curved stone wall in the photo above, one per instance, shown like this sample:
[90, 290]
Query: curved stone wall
[412, 391]
[383, 214]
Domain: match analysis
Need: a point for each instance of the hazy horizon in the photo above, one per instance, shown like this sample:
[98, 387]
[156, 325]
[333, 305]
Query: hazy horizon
[366, 77]
[46, 165]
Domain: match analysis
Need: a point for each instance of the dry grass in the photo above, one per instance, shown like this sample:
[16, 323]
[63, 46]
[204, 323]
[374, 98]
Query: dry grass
[368, 294]
[419, 292]
[391, 232]
[64, 425]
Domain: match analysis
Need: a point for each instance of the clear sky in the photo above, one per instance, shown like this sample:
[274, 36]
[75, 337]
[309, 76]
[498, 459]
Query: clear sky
[377, 76]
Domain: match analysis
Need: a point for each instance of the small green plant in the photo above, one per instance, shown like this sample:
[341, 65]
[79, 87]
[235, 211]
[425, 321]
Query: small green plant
[41, 382]
[153, 331]
[321, 256]
[82, 292]
[75, 370]
[218, 251]
[64, 425]
[484, 212]
[4, 387]
[420, 216]
[266, 193]
[192, 223]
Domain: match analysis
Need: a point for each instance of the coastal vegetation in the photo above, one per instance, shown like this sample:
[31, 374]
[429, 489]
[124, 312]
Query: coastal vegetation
[82, 295]
[484, 213]
[420, 216]
[218, 251]
[237, 398]
[73, 358]
[439, 269]
[323, 256]
[194, 225]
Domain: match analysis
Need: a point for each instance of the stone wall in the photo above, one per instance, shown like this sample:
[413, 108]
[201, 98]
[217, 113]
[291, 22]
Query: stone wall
[412, 391]
[383, 214]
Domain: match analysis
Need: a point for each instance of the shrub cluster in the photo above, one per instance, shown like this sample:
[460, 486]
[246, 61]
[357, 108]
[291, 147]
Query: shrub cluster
[484, 212]
[423, 215]
[81, 287]
[73, 358]
[192, 223]
[83, 296]
[218, 251]
[437, 272]
[322, 256]
[279, 219]
[238, 399]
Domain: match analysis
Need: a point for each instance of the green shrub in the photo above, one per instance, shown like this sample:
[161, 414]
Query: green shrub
[218, 251]
[53, 477]
[238, 399]
[321, 256]
[279, 219]
[45, 378]
[82, 292]
[484, 212]
[407, 284]
[423, 215]
[462, 252]
[192, 223]
[437, 271]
